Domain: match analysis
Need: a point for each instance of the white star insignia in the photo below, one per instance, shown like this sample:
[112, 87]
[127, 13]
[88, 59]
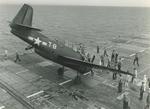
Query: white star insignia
[37, 41]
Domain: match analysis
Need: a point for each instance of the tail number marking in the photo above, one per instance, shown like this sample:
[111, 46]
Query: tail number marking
[54, 46]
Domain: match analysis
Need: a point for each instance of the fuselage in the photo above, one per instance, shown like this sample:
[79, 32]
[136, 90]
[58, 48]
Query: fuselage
[49, 49]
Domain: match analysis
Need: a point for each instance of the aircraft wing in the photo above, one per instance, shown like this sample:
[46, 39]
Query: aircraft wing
[70, 60]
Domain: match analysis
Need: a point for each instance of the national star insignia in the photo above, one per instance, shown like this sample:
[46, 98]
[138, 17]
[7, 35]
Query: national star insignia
[37, 41]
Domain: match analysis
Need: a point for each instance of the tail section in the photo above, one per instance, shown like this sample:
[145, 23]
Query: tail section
[24, 16]
[23, 20]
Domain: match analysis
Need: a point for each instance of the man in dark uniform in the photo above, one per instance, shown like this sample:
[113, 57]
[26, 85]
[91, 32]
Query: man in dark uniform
[17, 57]
[148, 101]
[102, 60]
[97, 49]
[149, 83]
[116, 57]
[120, 86]
[105, 53]
[113, 56]
[119, 64]
[125, 102]
[136, 59]
[141, 91]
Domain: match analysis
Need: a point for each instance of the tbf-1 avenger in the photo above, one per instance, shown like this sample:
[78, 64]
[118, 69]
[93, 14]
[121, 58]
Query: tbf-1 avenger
[21, 26]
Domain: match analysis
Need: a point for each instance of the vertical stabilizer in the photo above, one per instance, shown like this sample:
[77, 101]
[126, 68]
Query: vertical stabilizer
[24, 16]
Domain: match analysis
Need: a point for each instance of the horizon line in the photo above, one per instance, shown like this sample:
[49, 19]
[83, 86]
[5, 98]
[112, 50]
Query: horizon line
[74, 5]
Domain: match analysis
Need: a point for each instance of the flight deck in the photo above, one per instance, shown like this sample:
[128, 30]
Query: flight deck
[35, 79]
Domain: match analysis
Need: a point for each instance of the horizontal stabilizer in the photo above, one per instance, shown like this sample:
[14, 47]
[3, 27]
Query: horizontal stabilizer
[23, 26]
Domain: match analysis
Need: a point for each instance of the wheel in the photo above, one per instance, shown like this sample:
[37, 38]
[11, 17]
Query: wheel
[77, 79]
[60, 71]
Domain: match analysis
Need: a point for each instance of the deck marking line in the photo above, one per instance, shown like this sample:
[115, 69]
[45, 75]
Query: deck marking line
[120, 97]
[141, 51]
[108, 84]
[23, 71]
[132, 55]
[87, 73]
[35, 94]
[2, 107]
[65, 82]
[144, 70]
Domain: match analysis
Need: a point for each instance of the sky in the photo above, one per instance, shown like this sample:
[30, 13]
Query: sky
[136, 3]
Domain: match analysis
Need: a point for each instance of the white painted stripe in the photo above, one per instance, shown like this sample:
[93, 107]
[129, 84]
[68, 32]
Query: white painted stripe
[23, 71]
[4, 90]
[141, 51]
[2, 107]
[108, 84]
[52, 104]
[30, 38]
[87, 73]
[65, 82]
[45, 63]
[120, 97]
[132, 55]
[144, 70]
[35, 94]
[122, 59]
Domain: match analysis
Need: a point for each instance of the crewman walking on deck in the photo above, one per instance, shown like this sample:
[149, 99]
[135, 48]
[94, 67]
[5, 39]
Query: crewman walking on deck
[136, 60]
[102, 60]
[135, 75]
[120, 86]
[116, 57]
[141, 91]
[89, 57]
[125, 102]
[113, 56]
[105, 53]
[119, 64]
[6, 55]
[17, 57]
[97, 49]
[145, 82]
[148, 83]
[148, 101]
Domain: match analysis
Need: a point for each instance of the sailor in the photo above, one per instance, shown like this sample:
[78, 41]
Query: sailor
[116, 57]
[88, 57]
[135, 75]
[113, 56]
[5, 54]
[127, 82]
[93, 58]
[108, 64]
[148, 83]
[148, 101]
[141, 91]
[102, 60]
[145, 82]
[136, 60]
[17, 57]
[97, 49]
[125, 102]
[105, 53]
[114, 73]
[119, 64]
[120, 86]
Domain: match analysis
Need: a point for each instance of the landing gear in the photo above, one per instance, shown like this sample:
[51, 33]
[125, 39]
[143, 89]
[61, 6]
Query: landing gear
[60, 72]
[77, 79]
[29, 47]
